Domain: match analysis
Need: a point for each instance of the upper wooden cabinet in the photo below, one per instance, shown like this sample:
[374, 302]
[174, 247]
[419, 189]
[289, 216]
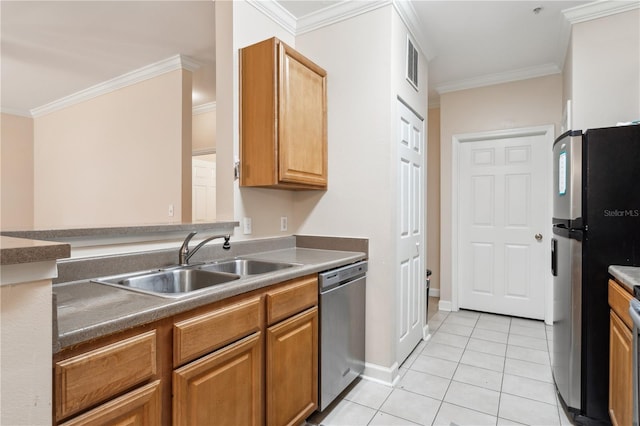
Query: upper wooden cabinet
[283, 118]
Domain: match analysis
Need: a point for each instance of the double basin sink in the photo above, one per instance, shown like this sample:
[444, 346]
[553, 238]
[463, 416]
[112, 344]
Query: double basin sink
[182, 280]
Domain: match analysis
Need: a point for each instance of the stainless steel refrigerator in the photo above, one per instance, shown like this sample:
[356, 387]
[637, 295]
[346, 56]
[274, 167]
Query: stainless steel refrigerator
[596, 223]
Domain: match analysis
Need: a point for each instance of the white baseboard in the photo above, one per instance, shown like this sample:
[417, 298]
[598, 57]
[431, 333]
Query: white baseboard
[434, 292]
[444, 305]
[426, 335]
[384, 375]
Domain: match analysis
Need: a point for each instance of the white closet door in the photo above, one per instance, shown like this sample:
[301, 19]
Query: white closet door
[502, 213]
[411, 159]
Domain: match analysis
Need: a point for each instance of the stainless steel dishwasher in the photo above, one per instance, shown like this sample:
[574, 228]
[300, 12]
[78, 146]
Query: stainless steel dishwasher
[342, 329]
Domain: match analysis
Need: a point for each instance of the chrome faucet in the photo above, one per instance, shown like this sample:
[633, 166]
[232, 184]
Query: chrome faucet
[185, 254]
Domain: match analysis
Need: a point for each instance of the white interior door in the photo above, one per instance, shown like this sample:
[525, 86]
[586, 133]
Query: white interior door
[410, 226]
[204, 190]
[503, 213]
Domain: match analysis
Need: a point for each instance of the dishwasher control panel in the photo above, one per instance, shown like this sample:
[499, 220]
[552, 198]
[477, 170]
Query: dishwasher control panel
[335, 277]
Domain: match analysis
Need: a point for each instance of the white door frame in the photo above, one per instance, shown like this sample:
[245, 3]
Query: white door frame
[548, 132]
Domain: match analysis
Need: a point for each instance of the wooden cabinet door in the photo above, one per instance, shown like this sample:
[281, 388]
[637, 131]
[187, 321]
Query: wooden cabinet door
[292, 369]
[140, 407]
[223, 388]
[283, 118]
[620, 372]
[302, 143]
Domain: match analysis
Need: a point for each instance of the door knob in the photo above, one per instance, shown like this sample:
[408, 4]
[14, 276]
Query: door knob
[539, 237]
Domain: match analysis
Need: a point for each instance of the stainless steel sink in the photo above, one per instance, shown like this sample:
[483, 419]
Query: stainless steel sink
[245, 266]
[169, 283]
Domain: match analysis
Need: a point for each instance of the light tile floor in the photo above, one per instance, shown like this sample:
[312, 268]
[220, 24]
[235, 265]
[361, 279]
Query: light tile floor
[476, 369]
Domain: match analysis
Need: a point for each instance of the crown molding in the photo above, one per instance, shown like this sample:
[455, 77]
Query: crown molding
[341, 11]
[598, 9]
[498, 78]
[201, 109]
[336, 13]
[433, 104]
[277, 13]
[15, 111]
[136, 76]
[313, 21]
[410, 18]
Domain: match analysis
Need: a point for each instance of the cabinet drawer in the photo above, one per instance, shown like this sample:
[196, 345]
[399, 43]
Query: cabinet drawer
[291, 299]
[619, 300]
[197, 336]
[92, 377]
[139, 407]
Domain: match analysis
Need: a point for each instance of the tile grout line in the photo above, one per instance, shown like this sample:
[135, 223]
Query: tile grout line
[504, 366]
[465, 349]
[452, 376]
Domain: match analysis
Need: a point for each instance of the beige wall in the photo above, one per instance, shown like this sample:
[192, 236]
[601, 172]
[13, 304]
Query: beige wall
[526, 103]
[204, 131]
[363, 57]
[16, 153]
[605, 67]
[433, 198]
[239, 24]
[567, 89]
[185, 145]
[117, 159]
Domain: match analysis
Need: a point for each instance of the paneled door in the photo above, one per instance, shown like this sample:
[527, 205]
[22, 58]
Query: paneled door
[204, 190]
[411, 252]
[503, 211]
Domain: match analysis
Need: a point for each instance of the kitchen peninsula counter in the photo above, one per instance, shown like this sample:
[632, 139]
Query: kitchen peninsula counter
[28, 268]
[14, 251]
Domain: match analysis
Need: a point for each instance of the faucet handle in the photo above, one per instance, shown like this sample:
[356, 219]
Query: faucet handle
[184, 249]
[226, 245]
[185, 244]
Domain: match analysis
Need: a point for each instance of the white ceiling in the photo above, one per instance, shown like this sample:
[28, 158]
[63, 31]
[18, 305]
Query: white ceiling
[51, 49]
[477, 43]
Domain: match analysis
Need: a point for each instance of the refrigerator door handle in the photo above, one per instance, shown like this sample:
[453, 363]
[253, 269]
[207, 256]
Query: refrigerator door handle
[554, 257]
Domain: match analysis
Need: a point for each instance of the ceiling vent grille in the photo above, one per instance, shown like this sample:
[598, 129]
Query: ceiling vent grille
[412, 64]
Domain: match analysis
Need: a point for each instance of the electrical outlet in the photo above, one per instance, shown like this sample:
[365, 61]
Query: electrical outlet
[283, 223]
[246, 222]
[170, 210]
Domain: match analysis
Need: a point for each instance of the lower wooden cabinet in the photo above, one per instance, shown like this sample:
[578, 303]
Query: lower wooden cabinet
[139, 407]
[620, 372]
[223, 388]
[620, 357]
[247, 360]
[93, 377]
[292, 369]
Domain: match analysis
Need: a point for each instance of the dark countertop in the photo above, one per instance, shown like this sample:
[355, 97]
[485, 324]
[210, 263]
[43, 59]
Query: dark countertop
[120, 231]
[628, 276]
[88, 310]
[15, 251]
